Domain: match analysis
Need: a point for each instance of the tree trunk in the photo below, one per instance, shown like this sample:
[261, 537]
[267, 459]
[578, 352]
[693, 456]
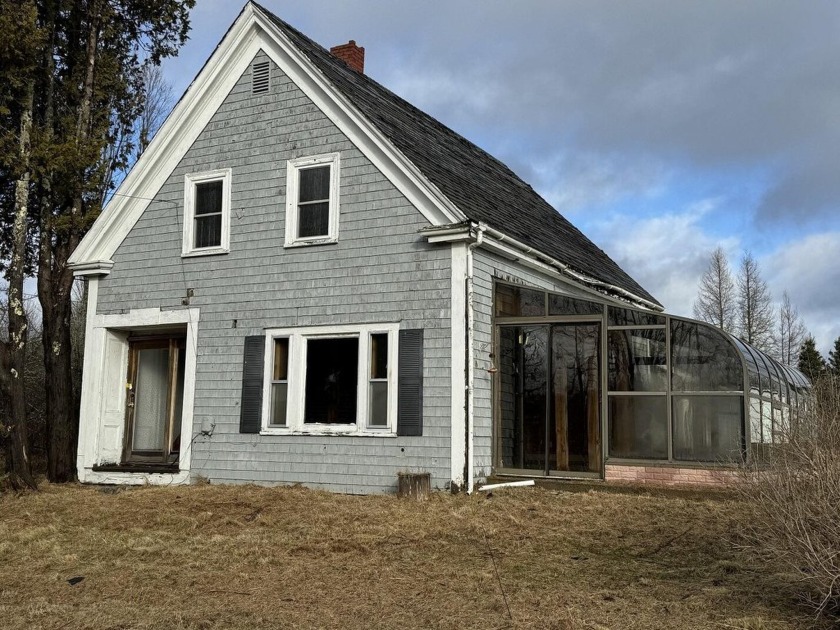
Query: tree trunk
[55, 286]
[13, 355]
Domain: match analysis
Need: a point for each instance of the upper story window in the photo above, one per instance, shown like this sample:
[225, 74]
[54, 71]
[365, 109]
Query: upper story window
[207, 213]
[312, 200]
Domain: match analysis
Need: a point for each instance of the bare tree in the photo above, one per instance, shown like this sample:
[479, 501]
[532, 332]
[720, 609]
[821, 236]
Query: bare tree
[755, 306]
[156, 106]
[790, 333]
[716, 295]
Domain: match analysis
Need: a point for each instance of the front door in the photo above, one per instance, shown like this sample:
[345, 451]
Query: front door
[154, 402]
[549, 398]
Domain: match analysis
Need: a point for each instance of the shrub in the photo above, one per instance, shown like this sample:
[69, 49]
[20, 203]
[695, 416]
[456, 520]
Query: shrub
[795, 497]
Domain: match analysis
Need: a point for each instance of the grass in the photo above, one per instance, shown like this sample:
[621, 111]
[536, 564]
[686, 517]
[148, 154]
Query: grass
[251, 557]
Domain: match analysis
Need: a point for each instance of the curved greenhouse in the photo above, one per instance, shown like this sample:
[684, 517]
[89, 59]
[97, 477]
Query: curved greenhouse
[585, 387]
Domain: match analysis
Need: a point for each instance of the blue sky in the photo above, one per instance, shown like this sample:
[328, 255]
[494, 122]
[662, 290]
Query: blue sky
[660, 129]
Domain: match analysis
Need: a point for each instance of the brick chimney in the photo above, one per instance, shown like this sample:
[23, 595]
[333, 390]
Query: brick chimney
[352, 55]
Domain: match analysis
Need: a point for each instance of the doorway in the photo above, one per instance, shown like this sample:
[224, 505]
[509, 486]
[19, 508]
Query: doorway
[549, 398]
[154, 401]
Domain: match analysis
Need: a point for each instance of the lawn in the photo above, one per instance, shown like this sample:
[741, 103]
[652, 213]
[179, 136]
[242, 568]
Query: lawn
[252, 557]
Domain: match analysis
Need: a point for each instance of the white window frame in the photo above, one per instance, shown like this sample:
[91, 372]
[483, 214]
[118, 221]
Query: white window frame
[191, 180]
[296, 380]
[293, 169]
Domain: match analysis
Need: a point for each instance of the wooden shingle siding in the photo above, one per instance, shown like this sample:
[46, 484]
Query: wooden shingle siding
[381, 270]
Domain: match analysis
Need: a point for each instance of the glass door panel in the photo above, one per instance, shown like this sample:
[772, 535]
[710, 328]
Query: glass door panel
[574, 426]
[151, 389]
[549, 398]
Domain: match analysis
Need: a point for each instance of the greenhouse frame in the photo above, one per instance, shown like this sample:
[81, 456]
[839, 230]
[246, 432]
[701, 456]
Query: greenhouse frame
[676, 392]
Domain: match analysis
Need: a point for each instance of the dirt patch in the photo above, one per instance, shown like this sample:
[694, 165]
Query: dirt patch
[253, 557]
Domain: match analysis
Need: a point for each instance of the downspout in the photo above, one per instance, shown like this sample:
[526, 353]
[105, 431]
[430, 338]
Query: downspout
[469, 458]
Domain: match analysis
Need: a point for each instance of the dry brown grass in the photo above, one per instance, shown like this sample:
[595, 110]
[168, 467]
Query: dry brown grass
[252, 557]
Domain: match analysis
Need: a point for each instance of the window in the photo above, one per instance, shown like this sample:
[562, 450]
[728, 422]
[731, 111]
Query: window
[207, 213]
[331, 380]
[312, 200]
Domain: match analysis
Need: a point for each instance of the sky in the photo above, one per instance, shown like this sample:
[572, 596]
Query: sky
[661, 129]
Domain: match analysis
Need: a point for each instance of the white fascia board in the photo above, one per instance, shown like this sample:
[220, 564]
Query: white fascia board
[181, 128]
[251, 33]
[402, 172]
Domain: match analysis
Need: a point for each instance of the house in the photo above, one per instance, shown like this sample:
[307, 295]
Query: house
[305, 279]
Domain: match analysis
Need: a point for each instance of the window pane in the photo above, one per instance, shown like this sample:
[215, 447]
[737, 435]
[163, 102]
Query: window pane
[332, 370]
[208, 231]
[639, 427]
[378, 403]
[314, 184]
[208, 198]
[314, 220]
[281, 360]
[519, 302]
[707, 428]
[637, 361]
[703, 359]
[629, 317]
[564, 305]
[279, 393]
[379, 355]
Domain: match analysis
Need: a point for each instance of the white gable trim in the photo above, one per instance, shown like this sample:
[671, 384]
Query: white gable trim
[251, 33]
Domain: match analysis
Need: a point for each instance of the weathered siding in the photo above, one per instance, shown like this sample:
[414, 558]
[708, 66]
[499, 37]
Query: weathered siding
[486, 268]
[379, 271]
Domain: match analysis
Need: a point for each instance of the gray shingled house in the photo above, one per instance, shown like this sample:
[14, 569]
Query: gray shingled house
[307, 279]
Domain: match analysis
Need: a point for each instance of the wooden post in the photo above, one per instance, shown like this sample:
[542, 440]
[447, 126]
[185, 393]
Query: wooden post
[417, 486]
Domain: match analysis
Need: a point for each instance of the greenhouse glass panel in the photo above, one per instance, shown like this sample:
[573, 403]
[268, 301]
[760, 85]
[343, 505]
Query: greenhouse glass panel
[629, 317]
[638, 427]
[637, 360]
[519, 302]
[703, 359]
[707, 428]
[565, 305]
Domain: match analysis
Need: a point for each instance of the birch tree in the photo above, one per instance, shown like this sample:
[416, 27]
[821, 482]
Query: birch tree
[19, 37]
[716, 295]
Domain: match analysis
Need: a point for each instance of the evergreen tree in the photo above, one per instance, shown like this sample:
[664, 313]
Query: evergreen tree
[834, 358]
[811, 362]
[78, 90]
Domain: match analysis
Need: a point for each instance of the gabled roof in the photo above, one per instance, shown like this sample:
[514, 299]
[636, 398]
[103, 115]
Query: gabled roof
[483, 188]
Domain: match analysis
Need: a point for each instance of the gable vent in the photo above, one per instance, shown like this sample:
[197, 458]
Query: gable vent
[260, 77]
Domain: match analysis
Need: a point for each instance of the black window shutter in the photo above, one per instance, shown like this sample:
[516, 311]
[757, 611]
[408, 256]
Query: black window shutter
[410, 385]
[250, 416]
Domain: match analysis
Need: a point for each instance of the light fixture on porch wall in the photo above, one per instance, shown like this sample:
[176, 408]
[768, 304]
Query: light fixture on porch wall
[186, 300]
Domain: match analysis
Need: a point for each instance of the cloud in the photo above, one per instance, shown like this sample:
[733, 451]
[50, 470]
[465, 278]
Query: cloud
[808, 270]
[666, 254]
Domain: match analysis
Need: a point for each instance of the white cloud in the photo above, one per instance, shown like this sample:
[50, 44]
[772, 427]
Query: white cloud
[667, 254]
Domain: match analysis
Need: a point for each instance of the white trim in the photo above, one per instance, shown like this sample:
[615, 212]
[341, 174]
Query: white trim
[191, 180]
[296, 380]
[458, 362]
[251, 32]
[293, 169]
[94, 391]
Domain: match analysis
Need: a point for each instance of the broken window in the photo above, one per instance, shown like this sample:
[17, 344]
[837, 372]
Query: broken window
[331, 379]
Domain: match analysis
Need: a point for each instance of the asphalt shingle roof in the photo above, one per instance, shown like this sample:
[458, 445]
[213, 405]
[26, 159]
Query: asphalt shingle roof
[481, 186]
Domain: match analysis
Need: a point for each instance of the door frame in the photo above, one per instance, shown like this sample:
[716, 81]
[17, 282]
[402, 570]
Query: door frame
[105, 366]
[175, 344]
